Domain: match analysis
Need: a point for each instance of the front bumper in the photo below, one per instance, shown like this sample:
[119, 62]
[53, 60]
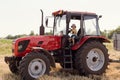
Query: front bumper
[12, 59]
[9, 59]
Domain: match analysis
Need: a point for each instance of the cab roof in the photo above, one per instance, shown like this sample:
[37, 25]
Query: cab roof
[62, 12]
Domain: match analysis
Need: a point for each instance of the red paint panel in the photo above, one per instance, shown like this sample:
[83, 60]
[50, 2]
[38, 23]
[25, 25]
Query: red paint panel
[49, 43]
[84, 39]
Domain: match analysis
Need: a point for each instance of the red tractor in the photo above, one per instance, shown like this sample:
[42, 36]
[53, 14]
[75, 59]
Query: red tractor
[33, 56]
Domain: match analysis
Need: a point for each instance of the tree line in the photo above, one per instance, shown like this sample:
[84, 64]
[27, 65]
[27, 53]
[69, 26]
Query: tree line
[109, 34]
[20, 35]
[105, 33]
[23, 35]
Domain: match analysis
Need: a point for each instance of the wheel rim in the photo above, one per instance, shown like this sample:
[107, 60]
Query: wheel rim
[37, 68]
[95, 59]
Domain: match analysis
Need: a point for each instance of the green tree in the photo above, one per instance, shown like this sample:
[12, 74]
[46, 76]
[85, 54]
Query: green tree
[104, 33]
[31, 33]
[16, 36]
[117, 30]
[49, 33]
[9, 37]
[110, 34]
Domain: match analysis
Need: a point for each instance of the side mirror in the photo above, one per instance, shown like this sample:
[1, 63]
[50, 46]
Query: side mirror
[100, 16]
[49, 21]
[46, 22]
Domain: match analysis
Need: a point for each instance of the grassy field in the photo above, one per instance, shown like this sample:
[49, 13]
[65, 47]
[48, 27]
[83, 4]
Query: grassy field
[112, 73]
[5, 46]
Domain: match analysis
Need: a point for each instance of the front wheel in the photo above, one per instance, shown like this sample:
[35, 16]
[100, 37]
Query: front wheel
[33, 66]
[92, 58]
[13, 68]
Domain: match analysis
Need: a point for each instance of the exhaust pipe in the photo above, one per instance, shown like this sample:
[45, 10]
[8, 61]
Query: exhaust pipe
[42, 29]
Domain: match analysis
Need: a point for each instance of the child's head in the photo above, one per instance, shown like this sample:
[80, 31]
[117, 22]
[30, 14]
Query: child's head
[73, 26]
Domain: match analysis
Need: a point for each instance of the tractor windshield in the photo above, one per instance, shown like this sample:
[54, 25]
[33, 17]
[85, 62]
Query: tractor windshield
[60, 25]
[85, 24]
[91, 25]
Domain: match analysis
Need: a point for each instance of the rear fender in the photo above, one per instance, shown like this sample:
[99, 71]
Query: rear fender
[46, 53]
[89, 38]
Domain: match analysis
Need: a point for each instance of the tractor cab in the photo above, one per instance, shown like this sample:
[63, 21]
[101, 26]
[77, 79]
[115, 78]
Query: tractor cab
[86, 23]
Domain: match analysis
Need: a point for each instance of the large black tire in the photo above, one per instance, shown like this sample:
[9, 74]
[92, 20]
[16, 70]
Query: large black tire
[13, 68]
[92, 58]
[33, 66]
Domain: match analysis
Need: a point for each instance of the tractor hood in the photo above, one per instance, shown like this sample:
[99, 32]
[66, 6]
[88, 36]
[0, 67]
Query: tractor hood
[24, 45]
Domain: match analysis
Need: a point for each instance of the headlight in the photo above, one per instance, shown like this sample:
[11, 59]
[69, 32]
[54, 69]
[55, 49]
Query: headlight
[22, 45]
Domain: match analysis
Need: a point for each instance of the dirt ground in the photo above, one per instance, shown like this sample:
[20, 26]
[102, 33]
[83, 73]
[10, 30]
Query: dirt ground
[113, 71]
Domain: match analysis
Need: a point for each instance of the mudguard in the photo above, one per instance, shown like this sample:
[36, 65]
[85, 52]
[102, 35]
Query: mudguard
[87, 38]
[46, 53]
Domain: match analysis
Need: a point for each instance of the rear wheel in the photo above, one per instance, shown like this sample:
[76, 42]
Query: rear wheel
[33, 66]
[92, 58]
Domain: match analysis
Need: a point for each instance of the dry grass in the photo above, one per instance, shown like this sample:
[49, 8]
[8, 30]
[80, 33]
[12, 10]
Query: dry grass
[58, 76]
[5, 46]
[112, 73]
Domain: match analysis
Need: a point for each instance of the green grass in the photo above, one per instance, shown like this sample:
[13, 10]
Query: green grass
[5, 46]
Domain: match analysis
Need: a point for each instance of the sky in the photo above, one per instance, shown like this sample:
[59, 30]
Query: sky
[23, 16]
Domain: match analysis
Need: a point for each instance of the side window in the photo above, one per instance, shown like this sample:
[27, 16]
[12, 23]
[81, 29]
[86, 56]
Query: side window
[60, 25]
[90, 25]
